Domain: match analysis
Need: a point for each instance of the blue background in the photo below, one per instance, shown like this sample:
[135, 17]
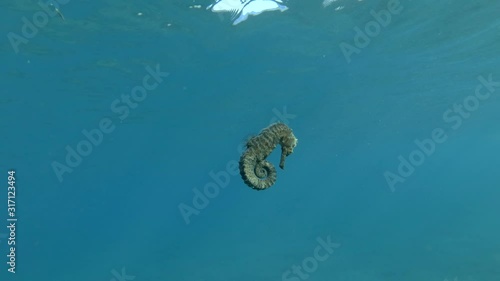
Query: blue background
[119, 209]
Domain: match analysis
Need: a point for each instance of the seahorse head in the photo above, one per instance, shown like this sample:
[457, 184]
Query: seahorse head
[288, 143]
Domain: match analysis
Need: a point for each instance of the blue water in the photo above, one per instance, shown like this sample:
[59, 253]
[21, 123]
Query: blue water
[117, 215]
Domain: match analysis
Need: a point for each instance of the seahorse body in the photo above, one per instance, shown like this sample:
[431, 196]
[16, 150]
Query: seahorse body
[255, 170]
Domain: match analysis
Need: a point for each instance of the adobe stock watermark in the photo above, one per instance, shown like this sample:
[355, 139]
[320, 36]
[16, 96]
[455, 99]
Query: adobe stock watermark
[372, 29]
[122, 108]
[221, 179]
[310, 264]
[121, 276]
[454, 116]
[39, 20]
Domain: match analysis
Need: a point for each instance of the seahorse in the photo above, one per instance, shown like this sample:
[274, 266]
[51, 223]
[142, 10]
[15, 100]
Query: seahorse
[255, 170]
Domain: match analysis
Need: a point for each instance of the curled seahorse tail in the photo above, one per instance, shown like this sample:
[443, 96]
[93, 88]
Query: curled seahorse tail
[256, 174]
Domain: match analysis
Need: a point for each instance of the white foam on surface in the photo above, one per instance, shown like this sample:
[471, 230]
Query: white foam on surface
[241, 9]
